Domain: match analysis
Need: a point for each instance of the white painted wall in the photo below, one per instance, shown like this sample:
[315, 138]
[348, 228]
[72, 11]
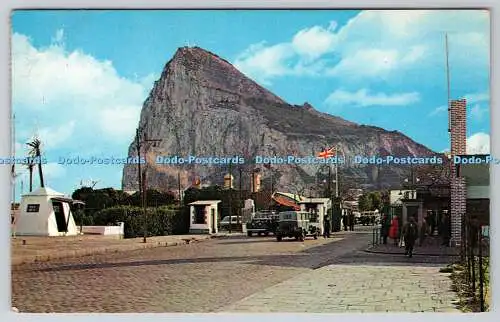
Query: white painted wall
[208, 225]
[395, 197]
[104, 230]
[322, 211]
[43, 222]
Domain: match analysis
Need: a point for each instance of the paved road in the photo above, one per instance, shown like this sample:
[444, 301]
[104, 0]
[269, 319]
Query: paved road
[255, 274]
[359, 283]
[201, 277]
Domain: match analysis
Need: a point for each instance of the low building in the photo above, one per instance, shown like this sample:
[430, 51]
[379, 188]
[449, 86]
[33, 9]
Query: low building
[319, 207]
[204, 217]
[396, 196]
[45, 212]
[477, 182]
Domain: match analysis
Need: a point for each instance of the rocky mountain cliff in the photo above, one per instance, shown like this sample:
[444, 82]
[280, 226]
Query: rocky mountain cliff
[203, 106]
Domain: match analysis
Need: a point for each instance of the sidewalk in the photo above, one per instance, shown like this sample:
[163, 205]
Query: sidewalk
[431, 247]
[355, 289]
[37, 249]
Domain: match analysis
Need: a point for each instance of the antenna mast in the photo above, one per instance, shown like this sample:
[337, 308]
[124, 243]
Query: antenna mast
[448, 83]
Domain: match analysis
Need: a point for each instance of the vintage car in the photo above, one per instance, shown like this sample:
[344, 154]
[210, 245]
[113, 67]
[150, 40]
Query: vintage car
[369, 218]
[263, 223]
[224, 223]
[296, 224]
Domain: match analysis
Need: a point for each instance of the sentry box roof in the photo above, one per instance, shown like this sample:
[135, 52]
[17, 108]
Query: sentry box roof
[204, 202]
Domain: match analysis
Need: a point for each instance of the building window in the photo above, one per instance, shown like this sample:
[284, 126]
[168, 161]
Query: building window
[33, 208]
[200, 215]
[313, 212]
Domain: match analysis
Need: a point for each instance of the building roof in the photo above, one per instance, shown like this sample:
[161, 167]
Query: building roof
[315, 200]
[68, 200]
[292, 196]
[204, 202]
[44, 192]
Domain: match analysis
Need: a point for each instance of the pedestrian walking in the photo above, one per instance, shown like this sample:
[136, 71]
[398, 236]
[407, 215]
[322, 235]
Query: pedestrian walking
[410, 235]
[394, 230]
[384, 228]
[351, 222]
[344, 221]
[446, 229]
[326, 228]
[423, 232]
[432, 223]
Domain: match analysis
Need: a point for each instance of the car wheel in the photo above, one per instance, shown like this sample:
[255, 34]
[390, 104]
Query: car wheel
[279, 238]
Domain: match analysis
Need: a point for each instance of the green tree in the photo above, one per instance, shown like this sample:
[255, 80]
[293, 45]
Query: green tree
[365, 202]
[376, 200]
[36, 151]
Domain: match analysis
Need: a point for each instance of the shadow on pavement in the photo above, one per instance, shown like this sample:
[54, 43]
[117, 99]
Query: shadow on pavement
[340, 252]
[248, 241]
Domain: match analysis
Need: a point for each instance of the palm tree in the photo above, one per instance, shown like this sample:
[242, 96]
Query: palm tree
[36, 152]
[30, 167]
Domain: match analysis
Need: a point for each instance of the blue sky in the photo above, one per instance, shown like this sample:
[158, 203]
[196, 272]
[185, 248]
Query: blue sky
[80, 77]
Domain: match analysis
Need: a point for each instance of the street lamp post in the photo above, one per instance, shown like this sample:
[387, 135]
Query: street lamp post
[142, 176]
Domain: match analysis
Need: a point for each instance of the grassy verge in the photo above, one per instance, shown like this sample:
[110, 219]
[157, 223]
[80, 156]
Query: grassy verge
[469, 301]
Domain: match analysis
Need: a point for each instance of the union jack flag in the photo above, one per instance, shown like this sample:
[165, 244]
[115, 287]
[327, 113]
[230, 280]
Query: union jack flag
[327, 153]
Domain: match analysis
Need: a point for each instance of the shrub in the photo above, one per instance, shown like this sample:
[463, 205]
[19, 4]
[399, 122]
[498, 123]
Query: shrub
[160, 221]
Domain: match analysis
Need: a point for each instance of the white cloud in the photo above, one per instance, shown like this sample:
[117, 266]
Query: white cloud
[59, 37]
[148, 81]
[332, 25]
[438, 110]
[478, 143]
[378, 44]
[53, 170]
[53, 137]
[52, 81]
[477, 97]
[477, 112]
[314, 42]
[119, 121]
[370, 62]
[363, 98]
[262, 63]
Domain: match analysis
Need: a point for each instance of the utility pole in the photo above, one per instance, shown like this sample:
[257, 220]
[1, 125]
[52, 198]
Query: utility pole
[179, 187]
[142, 177]
[330, 194]
[272, 180]
[230, 196]
[241, 198]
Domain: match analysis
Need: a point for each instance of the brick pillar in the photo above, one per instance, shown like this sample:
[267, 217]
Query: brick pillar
[458, 147]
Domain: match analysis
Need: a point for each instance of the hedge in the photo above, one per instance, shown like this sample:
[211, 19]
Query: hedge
[160, 221]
